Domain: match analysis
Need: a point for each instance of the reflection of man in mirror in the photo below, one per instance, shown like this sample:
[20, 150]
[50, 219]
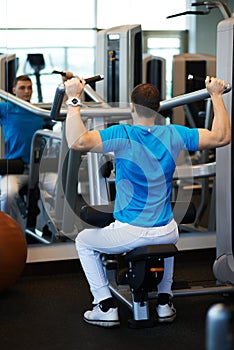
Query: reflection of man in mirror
[18, 126]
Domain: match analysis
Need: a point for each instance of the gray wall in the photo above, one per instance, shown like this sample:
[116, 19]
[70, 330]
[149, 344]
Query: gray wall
[203, 38]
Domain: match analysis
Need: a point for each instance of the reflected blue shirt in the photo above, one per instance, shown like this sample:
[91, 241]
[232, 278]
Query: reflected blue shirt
[145, 160]
[19, 126]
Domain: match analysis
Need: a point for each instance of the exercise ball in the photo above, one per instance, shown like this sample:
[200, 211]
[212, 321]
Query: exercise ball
[13, 251]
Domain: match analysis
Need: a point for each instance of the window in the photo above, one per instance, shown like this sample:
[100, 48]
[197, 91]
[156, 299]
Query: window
[63, 49]
[166, 44]
[68, 42]
[151, 14]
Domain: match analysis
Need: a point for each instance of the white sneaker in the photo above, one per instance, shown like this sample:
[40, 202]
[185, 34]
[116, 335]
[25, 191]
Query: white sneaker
[166, 313]
[98, 317]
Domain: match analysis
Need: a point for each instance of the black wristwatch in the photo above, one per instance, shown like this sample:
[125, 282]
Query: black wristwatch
[73, 101]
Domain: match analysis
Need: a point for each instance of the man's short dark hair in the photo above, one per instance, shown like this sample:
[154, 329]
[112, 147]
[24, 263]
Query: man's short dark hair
[21, 78]
[146, 95]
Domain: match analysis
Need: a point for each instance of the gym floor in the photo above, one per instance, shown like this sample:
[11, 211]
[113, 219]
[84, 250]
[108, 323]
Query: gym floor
[44, 309]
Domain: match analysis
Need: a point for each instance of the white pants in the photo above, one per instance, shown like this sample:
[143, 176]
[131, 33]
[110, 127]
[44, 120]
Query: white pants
[118, 238]
[10, 186]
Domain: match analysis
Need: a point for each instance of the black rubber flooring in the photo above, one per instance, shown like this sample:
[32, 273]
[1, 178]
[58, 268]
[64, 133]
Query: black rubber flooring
[44, 309]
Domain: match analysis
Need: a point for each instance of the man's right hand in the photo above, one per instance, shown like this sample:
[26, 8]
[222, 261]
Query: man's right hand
[215, 86]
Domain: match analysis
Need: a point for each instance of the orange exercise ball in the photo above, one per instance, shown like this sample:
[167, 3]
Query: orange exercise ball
[13, 251]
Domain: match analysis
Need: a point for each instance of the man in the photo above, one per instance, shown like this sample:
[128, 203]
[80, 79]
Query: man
[145, 156]
[18, 126]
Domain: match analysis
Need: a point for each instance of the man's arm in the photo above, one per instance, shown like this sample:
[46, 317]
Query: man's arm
[76, 133]
[220, 133]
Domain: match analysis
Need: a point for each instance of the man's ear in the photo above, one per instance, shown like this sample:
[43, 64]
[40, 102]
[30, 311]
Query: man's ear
[132, 107]
[13, 90]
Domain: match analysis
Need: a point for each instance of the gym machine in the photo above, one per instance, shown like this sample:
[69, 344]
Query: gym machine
[139, 294]
[119, 58]
[154, 72]
[224, 264]
[194, 68]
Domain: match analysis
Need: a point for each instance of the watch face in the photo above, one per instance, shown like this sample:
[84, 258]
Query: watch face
[74, 101]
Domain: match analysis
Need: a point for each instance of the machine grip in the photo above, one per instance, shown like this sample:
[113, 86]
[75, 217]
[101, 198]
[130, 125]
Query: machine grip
[57, 103]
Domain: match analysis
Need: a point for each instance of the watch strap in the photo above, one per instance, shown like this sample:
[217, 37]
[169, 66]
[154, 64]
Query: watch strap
[73, 101]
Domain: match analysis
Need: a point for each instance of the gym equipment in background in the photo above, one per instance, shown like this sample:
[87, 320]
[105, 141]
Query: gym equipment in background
[185, 66]
[37, 63]
[154, 72]
[119, 58]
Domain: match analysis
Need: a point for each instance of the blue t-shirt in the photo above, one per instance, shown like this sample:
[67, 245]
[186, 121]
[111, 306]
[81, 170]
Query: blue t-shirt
[19, 126]
[145, 163]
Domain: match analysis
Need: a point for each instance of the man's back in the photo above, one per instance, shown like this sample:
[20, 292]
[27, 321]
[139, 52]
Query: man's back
[145, 160]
